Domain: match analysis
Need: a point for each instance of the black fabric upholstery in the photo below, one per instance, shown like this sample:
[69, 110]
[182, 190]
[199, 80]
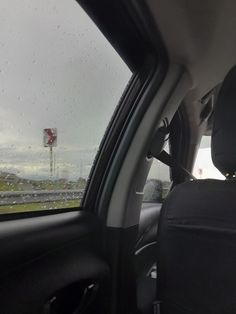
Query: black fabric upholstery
[146, 294]
[148, 222]
[224, 126]
[197, 249]
[197, 228]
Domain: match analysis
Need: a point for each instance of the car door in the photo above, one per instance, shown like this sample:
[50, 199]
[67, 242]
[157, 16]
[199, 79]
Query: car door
[54, 64]
[61, 81]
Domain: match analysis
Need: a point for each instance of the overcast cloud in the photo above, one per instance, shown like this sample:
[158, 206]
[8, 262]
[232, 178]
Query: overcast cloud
[56, 70]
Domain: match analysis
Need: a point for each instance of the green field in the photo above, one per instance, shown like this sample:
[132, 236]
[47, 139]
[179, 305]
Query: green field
[21, 184]
[8, 209]
[9, 186]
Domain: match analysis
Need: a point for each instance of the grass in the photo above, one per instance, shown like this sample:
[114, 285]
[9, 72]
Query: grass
[8, 209]
[9, 186]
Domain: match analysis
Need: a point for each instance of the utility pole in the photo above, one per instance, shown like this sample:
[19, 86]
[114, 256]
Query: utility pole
[50, 140]
[51, 162]
[54, 165]
[81, 168]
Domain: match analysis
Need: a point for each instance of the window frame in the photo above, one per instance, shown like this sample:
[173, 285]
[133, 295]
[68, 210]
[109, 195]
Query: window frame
[148, 65]
[151, 65]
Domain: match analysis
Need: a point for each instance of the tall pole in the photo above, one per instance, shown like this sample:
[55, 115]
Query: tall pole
[54, 165]
[50, 140]
[51, 162]
[81, 168]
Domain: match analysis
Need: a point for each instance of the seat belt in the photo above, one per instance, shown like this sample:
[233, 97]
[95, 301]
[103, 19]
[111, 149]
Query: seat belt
[157, 151]
[173, 164]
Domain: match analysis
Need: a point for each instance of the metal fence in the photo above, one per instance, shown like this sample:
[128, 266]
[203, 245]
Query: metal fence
[27, 197]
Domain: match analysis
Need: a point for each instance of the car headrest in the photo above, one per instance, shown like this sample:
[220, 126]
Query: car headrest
[223, 144]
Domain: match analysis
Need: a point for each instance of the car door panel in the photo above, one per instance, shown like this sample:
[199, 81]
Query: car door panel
[45, 258]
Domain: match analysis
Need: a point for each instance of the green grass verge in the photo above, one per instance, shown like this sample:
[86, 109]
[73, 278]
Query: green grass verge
[8, 209]
[9, 186]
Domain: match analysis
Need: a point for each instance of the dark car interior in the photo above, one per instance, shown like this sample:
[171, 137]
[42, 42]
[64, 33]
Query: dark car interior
[121, 252]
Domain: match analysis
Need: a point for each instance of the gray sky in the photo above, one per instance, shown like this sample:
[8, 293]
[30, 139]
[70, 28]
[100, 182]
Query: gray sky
[56, 70]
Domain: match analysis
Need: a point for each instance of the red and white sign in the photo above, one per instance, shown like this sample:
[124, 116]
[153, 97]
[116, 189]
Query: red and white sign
[50, 137]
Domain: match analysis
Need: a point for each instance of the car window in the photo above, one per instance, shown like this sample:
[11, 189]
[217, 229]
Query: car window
[60, 81]
[204, 167]
[158, 182]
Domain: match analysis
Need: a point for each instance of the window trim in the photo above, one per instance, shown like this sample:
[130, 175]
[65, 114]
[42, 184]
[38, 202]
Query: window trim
[145, 81]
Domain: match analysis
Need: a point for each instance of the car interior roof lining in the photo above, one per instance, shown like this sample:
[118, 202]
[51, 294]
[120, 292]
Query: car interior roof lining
[199, 35]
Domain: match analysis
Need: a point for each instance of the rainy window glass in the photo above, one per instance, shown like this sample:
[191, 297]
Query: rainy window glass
[60, 81]
[158, 182]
